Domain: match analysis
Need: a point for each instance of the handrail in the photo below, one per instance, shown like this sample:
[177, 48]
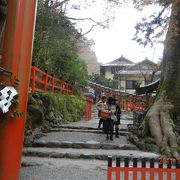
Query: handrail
[40, 80]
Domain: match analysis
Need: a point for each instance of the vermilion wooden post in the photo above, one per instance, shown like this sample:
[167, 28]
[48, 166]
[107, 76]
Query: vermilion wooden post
[45, 80]
[91, 105]
[61, 85]
[89, 108]
[177, 169]
[118, 164]
[109, 171]
[33, 75]
[135, 168]
[127, 105]
[86, 108]
[17, 59]
[53, 84]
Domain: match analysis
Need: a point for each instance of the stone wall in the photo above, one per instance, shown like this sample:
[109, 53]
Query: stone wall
[45, 111]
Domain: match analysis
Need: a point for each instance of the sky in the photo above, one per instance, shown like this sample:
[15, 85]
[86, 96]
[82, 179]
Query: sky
[115, 41]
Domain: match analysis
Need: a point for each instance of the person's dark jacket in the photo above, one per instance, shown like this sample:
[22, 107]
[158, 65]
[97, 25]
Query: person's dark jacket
[118, 112]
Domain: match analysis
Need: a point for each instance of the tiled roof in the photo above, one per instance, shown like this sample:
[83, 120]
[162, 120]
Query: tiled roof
[134, 72]
[143, 65]
[120, 61]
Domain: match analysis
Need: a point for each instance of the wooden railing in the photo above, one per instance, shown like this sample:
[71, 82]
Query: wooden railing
[128, 102]
[42, 81]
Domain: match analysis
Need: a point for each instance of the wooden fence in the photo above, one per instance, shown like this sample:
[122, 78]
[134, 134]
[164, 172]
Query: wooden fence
[40, 80]
[128, 102]
[89, 103]
[147, 171]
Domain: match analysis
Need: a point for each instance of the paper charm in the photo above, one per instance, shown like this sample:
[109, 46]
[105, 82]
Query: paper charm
[6, 96]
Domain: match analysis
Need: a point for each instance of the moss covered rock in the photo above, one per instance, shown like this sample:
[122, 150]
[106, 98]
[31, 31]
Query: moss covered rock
[46, 110]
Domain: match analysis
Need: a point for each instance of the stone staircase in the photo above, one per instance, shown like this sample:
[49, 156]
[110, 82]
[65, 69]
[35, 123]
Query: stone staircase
[82, 142]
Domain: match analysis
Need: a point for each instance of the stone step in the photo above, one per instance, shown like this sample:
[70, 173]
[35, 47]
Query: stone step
[121, 133]
[80, 127]
[65, 169]
[34, 168]
[74, 127]
[81, 145]
[87, 153]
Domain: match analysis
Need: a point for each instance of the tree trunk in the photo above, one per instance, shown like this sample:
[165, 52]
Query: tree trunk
[3, 6]
[167, 103]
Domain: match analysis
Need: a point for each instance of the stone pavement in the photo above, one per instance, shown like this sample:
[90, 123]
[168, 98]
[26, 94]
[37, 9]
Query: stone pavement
[77, 151]
[35, 168]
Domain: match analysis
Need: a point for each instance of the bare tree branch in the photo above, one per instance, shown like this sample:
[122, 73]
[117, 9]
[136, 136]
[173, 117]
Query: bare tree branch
[96, 23]
[156, 21]
[90, 19]
[89, 30]
[59, 4]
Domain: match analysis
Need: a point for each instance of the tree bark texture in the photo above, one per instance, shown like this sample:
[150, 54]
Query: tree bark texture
[167, 102]
[171, 59]
[3, 7]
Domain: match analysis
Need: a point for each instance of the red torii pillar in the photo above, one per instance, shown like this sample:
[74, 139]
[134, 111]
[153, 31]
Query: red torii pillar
[17, 59]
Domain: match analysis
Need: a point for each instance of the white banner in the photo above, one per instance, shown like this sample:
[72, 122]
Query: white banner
[6, 96]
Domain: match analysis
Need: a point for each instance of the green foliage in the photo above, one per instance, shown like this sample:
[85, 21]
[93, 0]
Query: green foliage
[72, 106]
[56, 100]
[54, 42]
[99, 79]
[75, 106]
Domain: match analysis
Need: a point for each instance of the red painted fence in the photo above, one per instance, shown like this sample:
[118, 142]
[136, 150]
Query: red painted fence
[89, 103]
[146, 171]
[40, 80]
[127, 102]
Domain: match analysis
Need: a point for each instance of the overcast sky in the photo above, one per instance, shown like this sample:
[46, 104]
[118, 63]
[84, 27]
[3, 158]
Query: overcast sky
[117, 40]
